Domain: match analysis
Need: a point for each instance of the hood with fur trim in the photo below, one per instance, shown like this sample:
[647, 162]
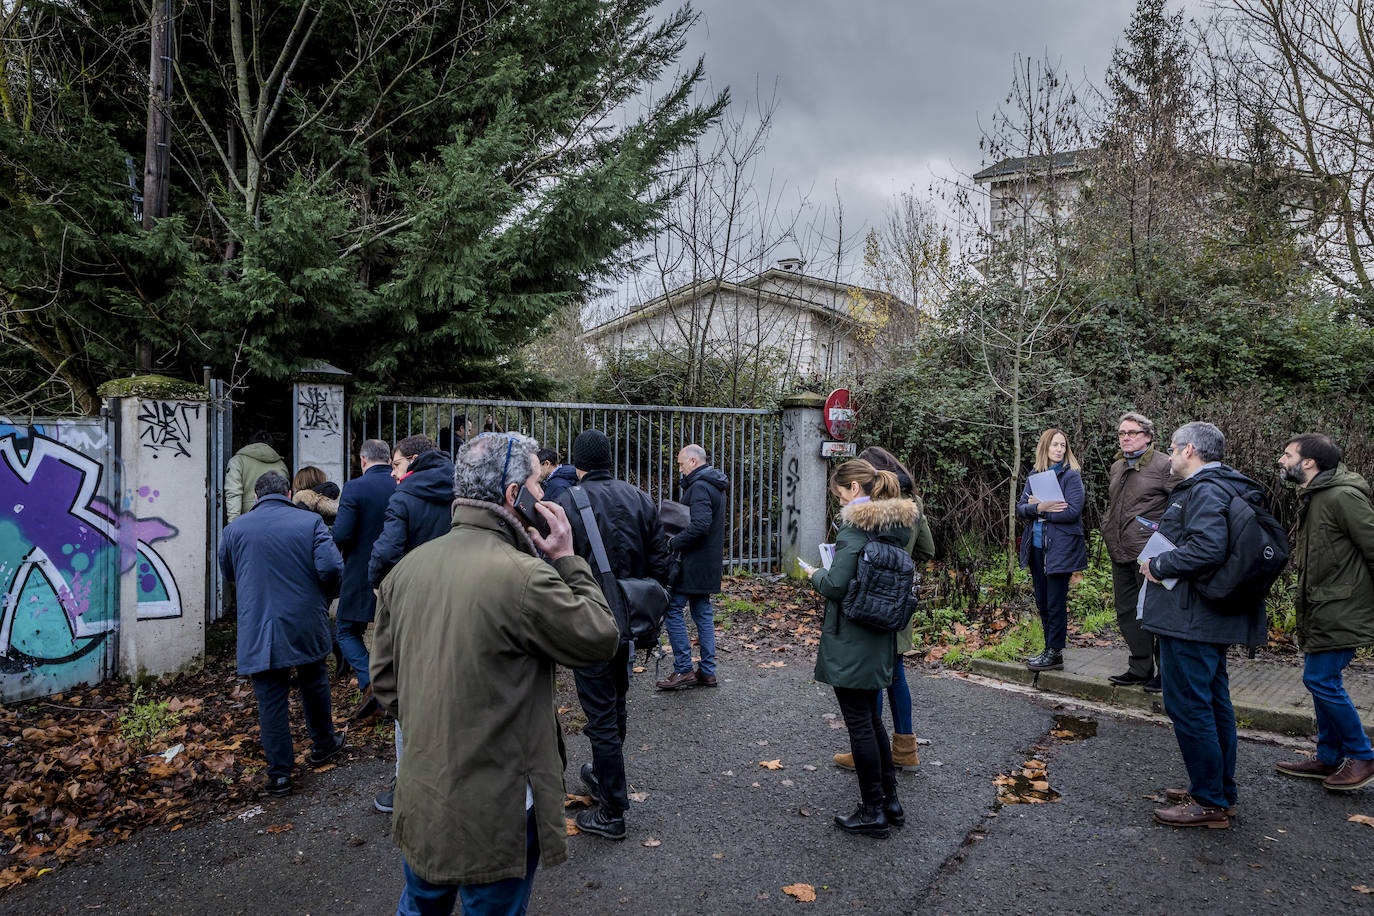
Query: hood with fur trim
[877, 514]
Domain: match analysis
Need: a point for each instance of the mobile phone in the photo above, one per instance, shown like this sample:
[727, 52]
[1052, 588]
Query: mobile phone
[524, 507]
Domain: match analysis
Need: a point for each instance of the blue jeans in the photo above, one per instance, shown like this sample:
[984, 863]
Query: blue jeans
[1339, 732]
[273, 690]
[1197, 697]
[1051, 600]
[354, 651]
[510, 897]
[676, 625]
[899, 698]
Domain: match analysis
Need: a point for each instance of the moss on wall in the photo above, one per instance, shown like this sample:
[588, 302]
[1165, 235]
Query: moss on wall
[153, 387]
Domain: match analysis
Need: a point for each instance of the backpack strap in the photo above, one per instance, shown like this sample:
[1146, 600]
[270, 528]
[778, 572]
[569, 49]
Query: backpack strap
[592, 532]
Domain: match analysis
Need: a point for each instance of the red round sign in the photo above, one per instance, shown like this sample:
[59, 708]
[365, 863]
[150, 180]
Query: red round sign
[839, 417]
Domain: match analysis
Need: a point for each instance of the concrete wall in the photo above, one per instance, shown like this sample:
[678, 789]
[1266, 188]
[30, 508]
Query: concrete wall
[319, 428]
[804, 480]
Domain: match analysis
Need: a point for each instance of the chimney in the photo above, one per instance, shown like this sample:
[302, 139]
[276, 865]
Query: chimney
[794, 265]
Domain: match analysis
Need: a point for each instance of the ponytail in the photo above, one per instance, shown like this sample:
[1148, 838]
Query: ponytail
[886, 486]
[876, 484]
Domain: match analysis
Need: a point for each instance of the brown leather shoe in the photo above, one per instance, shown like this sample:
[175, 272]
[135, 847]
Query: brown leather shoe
[368, 709]
[1353, 774]
[1305, 767]
[705, 680]
[678, 681]
[1181, 797]
[1193, 815]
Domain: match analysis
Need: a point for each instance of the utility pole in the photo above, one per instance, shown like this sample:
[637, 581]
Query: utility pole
[157, 151]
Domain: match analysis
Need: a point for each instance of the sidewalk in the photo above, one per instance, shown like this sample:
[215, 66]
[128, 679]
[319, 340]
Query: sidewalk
[1267, 694]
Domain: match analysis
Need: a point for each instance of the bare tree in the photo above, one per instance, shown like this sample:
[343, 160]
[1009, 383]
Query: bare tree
[906, 258]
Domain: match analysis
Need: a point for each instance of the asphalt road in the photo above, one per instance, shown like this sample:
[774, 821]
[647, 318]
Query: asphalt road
[731, 834]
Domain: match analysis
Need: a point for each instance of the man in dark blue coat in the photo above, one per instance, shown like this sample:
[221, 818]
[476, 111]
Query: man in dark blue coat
[1195, 631]
[556, 478]
[701, 545]
[420, 510]
[286, 568]
[362, 513]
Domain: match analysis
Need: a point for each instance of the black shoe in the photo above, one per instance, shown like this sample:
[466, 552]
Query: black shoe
[866, 819]
[589, 781]
[892, 809]
[279, 786]
[320, 757]
[1154, 685]
[1129, 679]
[602, 822]
[384, 800]
[1049, 660]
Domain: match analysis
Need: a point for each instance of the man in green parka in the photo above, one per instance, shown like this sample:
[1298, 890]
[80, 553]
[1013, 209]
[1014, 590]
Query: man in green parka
[469, 627]
[1334, 555]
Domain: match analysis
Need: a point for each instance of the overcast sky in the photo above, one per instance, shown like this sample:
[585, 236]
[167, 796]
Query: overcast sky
[878, 96]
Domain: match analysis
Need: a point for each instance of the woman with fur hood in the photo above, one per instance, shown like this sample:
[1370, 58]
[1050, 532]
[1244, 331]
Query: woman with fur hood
[310, 490]
[857, 660]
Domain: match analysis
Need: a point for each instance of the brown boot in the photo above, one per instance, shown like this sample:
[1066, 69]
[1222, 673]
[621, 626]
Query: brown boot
[1306, 767]
[1353, 774]
[904, 752]
[844, 760]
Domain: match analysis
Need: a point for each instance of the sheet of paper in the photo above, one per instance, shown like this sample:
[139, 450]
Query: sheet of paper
[1156, 545]
[1044, 486]
[827, 555]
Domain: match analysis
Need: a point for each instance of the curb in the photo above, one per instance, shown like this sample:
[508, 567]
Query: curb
[1263, 718]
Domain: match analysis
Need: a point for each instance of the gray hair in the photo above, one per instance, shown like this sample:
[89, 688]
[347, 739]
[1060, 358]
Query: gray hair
[273, 482]
[375, 450]
[695, 451]
[478, 464]
[1143, 421]
[1204, 437]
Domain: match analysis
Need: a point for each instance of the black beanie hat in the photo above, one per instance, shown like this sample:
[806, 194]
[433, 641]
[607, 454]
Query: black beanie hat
[591, 451]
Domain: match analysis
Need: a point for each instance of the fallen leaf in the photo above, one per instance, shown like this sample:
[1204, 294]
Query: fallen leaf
[564, 710]
[717, 855]
[771, 764]
[1362, 888]
[279, 828]
[639, 669]
[577, 801]
[572, 827]
[651, 842]
[638, 796]
[773, 665]
[1361, 819]
[803, 892]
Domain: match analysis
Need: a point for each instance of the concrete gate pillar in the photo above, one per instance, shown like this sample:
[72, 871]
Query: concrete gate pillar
[804, 474]
[317, 421]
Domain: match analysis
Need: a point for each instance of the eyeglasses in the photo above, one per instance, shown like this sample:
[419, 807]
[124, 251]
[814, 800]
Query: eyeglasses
[510, 445]
[1172, 449]
[1129, 433]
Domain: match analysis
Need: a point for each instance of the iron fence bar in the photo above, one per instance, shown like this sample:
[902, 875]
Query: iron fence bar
[577, 405]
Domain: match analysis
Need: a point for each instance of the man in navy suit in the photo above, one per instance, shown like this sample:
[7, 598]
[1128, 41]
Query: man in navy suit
[362, 513]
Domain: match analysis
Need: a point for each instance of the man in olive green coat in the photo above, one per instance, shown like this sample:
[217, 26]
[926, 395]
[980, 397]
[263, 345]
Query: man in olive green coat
[1335, 603]
[248, 464]
[468, 629]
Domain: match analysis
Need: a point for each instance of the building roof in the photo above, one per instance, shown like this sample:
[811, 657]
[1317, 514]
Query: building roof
[1070, 161]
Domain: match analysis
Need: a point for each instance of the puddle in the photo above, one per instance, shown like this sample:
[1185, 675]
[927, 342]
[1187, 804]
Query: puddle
[1030, 785]
[1068, 729]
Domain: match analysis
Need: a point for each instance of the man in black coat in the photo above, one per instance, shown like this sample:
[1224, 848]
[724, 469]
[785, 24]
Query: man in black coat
[700, 545]
[419, 511]
[635, 549]
[1195, 631]
[362, 514]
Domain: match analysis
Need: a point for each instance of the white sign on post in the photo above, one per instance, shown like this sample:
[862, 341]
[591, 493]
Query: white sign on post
[838, 450]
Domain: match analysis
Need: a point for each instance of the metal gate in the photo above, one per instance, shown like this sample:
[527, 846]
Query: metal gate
[745, 445]
[220, 430]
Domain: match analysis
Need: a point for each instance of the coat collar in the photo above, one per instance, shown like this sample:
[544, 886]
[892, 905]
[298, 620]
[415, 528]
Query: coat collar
[881, 513]
[272, 497]
[476, 513]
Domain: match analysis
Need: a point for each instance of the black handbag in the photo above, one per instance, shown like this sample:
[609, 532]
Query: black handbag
[639, 605]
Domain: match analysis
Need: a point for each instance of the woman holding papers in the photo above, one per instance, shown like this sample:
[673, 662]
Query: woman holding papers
[1053, 546]
[854, 659]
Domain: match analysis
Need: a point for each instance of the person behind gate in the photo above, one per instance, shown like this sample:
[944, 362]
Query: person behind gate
[701, 545]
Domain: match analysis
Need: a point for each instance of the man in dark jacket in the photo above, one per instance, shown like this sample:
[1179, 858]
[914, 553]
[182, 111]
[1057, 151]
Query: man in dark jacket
[635, 549]
[1138, 488]
[362, 514]
[700, 545]
[556, 478]
[287, 568]
[419, 511]
[1195, 631]
[1334, 555]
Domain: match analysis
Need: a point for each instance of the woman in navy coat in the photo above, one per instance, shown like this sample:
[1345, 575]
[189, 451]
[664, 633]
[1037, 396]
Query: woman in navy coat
[1053, 546]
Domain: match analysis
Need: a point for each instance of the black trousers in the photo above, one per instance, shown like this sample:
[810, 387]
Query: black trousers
[1051, 600]
[868, 742]
[601, 689]
[1126, 582]
[273, 689]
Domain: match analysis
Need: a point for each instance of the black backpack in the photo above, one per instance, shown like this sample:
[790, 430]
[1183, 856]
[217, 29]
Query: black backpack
[882, 594]
[1256, 553]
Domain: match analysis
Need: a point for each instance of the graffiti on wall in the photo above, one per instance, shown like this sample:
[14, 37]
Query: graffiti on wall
[319, 411]
[62, 551]
[164, 427]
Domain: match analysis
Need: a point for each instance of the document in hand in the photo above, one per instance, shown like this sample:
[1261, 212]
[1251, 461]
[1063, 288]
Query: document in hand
[1044, 486]
[1156, 545]
[827, 555]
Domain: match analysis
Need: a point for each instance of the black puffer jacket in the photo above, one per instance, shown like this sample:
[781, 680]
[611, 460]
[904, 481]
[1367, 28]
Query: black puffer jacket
[420, 510]
[702, 542]
[636, 547]
[1195, 523]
